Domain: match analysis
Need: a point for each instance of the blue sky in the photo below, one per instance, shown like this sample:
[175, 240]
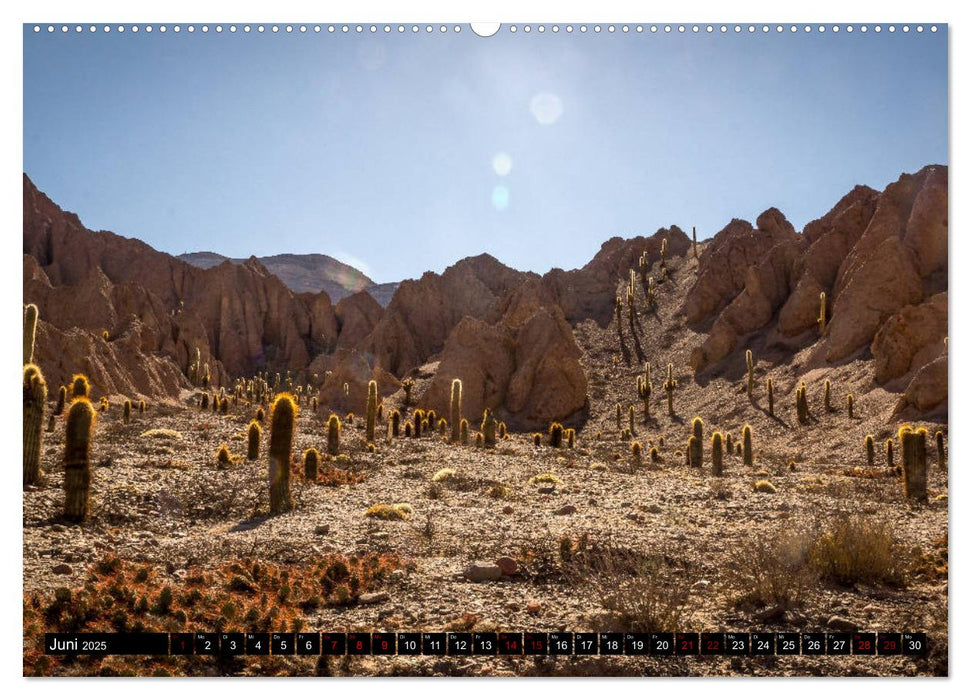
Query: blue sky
[404, 153]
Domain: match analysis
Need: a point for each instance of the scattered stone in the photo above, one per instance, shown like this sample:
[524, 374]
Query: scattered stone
[566, 510]
[508, 510]
[57, 527]
[841, 624]
[398, 575]
[373, 598]
[508, 565]
[62, 569]
[533, 607]
[322, 529]
[483, 571]
[546, 490]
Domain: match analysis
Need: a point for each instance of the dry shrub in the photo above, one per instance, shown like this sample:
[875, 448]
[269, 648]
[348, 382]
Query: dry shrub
[774, 572]
[334, 476]
[854, 549]
[642, 591]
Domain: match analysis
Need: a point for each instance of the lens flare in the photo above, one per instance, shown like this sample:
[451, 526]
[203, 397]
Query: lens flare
[500, 197]
[546, 107]
[502, 164]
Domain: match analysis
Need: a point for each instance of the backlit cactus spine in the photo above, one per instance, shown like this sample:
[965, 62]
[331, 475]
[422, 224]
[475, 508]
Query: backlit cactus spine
[455, 410]
[79, 386]
[694, 241]
[670, 384]
[35, 397]
[334, 434]
[716, 454]
[556, 435]
[464, 431]
[372, 410]
[77, 459]
[913, 448]
[282, 421]
[253, 435]
[698, 433]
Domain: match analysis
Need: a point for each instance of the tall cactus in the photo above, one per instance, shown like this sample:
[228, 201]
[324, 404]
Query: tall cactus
[698, 432]
[670, 384]
[126, 411]
[802, 404]
[30, 332]
[822, 313]
[716, 454]
[694, 241]
[826, 401]
[619, 415]
[913, 449]
[488, 428]
[283, 418]
[395, 421]
[311, 461]
[464, 431]
[372, 410]
[870, 449]
[80, 388]
[750, 367]
[939, 444]
[644, 390]
[630, 419]
[747, 446]
[61, 400]
[889, 453]
[849, 405]
[253, 440]
[455, 410]
[35, 397]
[77, 459]
[770, 394]
[408, 385]
[334, 434]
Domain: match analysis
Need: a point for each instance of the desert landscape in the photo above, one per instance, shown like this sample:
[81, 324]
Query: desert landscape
[744, 431]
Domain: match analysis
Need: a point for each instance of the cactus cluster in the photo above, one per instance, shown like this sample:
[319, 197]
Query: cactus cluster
[556, 435]
[488, 428]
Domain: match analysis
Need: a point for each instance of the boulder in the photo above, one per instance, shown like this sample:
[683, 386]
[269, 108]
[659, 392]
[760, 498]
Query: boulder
[926, 395]
[910, 338]
[356, 371]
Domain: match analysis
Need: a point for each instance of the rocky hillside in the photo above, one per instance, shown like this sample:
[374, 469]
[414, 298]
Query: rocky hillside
[132, 317]
[311, 272]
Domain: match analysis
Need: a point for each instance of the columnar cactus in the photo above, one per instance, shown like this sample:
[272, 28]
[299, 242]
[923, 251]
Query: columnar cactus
[77, 459]
[849, 405]
[694, 452]
[655, 455]
[372, 410]
[768, 391]
[333, 434]
[253, 435]
[670, 385]
[747, 446]
[408, 429]
[395, 423]
[716, 454]
[619, 416]
[537, 440]
[260, 415]
[282, 421]
[889, 453]
[488, 428]
[630, 419]
[35, 397]
[311, 461]
[694, 241]
[822, 313]
[443, 428]
[408, 385]
[141, 407]
[728, 444]
[61, 400]
[204, 402]
[802, 404]
[380, 415]
[30, 332]
[556, 435]
[750, 367]
[826, 402]
[635, 455]
[464, 431]
[571, 437]
[455, 409]
[126, 411]
[939, 444]
[913, 448]
[870, 450]
[644, 390]
[419, 422]
[79, 386]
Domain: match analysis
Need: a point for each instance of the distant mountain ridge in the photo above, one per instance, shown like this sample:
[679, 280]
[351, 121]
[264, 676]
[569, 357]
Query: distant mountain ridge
[310, 272]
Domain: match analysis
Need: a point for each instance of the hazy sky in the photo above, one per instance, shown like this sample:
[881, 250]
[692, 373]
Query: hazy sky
[404, 153]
